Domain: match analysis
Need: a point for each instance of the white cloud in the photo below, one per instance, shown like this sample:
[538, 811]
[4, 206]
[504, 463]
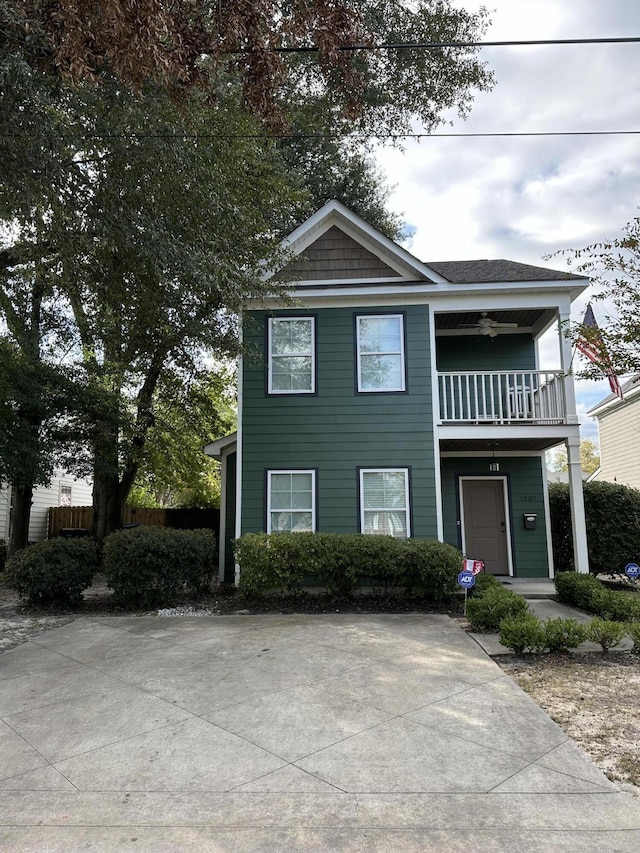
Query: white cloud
[525, 197]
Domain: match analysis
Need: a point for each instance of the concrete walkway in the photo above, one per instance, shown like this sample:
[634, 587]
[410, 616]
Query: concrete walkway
[272, 733]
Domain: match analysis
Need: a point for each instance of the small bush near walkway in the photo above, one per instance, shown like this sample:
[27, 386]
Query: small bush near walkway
[588, 593]
[486, 611]
[150, 566]
[523, 633]
[342, 562]
[605, 632]
[53, 572]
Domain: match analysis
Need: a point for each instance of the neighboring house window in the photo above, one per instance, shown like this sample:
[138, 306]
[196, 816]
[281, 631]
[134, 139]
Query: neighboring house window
[64, 498]
[291, 355]
[291, 501]
[384, 501]
[380, 345]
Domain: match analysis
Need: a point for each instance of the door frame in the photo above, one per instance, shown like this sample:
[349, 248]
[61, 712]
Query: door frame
[507, 511]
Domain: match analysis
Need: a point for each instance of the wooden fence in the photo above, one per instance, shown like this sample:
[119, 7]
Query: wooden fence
[82, 517]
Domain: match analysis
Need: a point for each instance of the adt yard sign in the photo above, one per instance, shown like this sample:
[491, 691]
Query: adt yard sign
[466, 579]
[632, 570]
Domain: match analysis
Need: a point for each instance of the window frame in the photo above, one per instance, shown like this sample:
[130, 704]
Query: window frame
[406, 470]
[63, 486]
[276, 392]
[314, 498]
[402, 353]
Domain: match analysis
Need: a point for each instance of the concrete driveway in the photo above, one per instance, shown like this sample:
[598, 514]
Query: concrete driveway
[244, 733]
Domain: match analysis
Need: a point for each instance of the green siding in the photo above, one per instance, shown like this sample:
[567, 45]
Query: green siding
[230, 521]
[502, 353]
[337, 430]
[530, 559]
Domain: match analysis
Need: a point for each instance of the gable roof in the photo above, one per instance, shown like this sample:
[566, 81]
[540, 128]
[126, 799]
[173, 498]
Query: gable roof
[630, 390]
[469, 272]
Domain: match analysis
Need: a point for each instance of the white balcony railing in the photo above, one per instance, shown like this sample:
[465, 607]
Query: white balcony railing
[530, 396]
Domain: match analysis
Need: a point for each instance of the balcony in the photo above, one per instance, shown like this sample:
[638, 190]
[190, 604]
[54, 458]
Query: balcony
[533, 397]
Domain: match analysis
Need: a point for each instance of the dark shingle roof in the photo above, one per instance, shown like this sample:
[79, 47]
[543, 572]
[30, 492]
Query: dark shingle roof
[471, 272]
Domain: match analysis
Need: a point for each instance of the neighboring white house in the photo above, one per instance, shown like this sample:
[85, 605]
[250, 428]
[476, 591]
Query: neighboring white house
[64, 490]
[619, 431]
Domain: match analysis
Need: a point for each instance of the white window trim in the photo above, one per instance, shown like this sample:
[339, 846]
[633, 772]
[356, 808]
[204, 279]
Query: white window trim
[407, 508]
[402, 387]
[311, 471]
[62, 486]
[312, 355]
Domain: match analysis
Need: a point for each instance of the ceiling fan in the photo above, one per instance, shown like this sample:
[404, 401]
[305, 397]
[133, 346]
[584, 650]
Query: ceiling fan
[487, 326]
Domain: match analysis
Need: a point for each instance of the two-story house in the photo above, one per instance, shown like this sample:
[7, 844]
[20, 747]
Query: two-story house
[619, 435]
[388, 395]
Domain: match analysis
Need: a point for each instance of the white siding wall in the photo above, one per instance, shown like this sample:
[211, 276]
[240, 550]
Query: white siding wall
[43, 498]
[620, 445]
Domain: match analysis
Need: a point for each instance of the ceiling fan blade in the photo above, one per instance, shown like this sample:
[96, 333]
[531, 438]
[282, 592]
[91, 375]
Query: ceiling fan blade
[497, 325]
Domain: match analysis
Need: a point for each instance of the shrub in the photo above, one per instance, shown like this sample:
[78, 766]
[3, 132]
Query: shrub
[560, 635]
[486, 611]
[613, 525]
[587, 593]
[340, 562]
[53, 572]
[150, 566]
[609, 634]
[633, 631]
[484, 582]
[520, 633]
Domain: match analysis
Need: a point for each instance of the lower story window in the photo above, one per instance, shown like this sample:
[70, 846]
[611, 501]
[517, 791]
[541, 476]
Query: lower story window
[291, 501]
[384, 501]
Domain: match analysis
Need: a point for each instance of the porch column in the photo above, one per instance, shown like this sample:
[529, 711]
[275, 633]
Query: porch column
[564, 316]
[578, 521]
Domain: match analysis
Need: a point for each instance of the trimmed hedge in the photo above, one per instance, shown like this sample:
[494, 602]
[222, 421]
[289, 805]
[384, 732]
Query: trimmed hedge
[613, 525]
[150, 566]
[522, 633]
[341, 562]
[486, 611]
[53, 572]
[588, 593]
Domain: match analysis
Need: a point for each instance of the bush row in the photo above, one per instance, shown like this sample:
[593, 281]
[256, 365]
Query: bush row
[342, 562]
[491, 603]
[587, 593]
[613, 525]
[528, 634]
[145, 567]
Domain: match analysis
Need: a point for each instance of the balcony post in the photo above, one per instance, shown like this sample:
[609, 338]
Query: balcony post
[576, 499]
[564, 316]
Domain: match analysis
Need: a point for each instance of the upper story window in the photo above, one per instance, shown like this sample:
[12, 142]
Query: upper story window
[380, 346]
[384, 501]
[291, 355]
[291, 501]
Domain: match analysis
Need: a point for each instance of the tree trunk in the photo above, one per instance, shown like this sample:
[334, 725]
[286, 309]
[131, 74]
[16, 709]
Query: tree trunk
[20, 514]
[107, 506]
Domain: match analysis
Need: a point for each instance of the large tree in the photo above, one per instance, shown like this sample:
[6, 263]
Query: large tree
[138, 195]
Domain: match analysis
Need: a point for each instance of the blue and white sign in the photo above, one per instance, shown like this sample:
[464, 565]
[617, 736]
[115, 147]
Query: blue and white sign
[632, 570]
[466, 579]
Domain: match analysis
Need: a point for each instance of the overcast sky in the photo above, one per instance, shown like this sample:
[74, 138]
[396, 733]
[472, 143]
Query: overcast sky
[523, 198]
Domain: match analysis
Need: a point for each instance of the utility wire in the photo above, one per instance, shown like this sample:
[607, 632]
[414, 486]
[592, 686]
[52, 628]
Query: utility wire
[457, 44]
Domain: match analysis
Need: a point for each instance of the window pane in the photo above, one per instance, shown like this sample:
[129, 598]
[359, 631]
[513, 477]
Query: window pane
[384, 489]
[385, 523]
[380, 372]
[289, 373]
[380, 334]
[287, 522]
[291, 336]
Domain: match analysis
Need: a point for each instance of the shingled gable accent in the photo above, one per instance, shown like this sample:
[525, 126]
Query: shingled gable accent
[336, 255]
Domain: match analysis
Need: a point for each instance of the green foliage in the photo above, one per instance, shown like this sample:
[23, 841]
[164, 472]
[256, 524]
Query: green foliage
[563, 634]
[486, 611]
[150, 566]
[613, 525]
[605, 632]
[483, 582]
[633, 631]
[53, 572]
[522, 633]
[342, 562]
[588, 593]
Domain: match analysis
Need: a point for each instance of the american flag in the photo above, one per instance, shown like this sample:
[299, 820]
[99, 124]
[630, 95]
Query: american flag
[594, 349]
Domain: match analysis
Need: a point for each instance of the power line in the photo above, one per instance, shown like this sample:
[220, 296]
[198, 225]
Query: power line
[458, 44]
